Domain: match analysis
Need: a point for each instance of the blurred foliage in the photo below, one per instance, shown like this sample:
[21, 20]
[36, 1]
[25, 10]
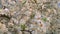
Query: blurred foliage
[5, 16]
[23, 26]
[34, 1]
[0, 9]
[48, 5]
[44, 19]
[24, 2]
[32, 16]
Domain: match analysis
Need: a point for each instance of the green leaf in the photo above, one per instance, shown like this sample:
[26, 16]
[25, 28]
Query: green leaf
[44, 19]
[23, 26]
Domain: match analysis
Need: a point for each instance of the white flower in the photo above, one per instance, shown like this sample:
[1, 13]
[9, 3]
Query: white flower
[6, 9]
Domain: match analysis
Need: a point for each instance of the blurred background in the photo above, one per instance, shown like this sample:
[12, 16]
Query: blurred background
[29, 16]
